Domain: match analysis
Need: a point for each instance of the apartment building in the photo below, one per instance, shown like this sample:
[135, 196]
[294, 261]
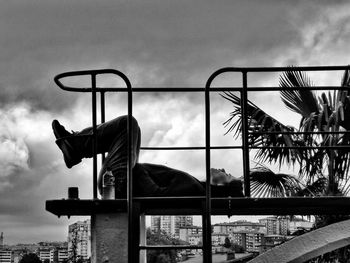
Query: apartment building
[79, 239]
[170, 225]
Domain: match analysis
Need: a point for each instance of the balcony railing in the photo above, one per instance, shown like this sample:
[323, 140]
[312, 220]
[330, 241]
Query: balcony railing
[206, 206]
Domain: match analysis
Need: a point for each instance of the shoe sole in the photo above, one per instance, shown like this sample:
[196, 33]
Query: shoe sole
[66, 148]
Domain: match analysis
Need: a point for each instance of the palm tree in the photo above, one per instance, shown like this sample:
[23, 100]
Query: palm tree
[324, 119]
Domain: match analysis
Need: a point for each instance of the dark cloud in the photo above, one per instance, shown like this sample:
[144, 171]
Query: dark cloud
[154, 42]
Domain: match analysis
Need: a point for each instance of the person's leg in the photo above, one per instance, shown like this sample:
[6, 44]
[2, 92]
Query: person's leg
[108, 134]
[78, 145]
[114, 139]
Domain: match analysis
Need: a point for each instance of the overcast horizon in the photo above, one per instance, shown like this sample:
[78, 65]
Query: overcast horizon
[155, 43]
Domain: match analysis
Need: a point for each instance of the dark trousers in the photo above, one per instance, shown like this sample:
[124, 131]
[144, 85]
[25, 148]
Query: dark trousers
[149, 179]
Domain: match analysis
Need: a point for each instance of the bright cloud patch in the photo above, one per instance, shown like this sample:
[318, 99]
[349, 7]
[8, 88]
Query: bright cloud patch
[21, 128]
[14, 153]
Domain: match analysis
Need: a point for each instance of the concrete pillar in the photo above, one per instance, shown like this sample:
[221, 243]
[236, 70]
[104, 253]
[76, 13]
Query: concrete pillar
[109, 238]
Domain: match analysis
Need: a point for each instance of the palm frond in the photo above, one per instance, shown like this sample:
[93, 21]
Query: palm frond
[265, 183]
[260, 124]
[345, 82]
[343, 100]
[302, 101]
[314, 189]
[311, 164]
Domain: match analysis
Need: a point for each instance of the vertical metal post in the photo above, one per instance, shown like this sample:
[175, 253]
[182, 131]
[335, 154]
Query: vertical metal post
[207, 214]
[245, 142]
[103, 116]
[131, 244]
[94, 134]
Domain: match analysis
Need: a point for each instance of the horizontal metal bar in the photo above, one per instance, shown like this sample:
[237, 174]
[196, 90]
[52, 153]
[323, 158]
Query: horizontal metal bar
[170, 89]
[213, 89]
[250, 147]
[58, 78]
[228, 88]
[315, 199]
[263, 88]
[93, 74]
[279, 69]
[171, 198]
[158, 89]
[299, 147]
[299, 132]
[166, 148]
[277, 199]
[170, 247]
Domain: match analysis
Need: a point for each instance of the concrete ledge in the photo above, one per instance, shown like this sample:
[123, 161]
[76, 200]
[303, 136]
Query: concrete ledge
[194, 206]
[309, 245]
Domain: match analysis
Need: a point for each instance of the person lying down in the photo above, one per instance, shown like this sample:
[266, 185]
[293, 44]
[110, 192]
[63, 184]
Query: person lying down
[148, 179]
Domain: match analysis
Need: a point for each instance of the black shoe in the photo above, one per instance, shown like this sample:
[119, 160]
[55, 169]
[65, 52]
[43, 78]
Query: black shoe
[64, 142]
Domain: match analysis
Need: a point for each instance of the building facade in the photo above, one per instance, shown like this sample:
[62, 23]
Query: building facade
[1, 240]
[254, 241]
[187, 231]
[48, 255]
[218, 239]
[155, 224]
[51, 252]
[272, 225]
[79, 240]
[44, 255]
[170, 225]
[167, 225]
[299, 223]
[195, 239]
[62, 254]
[6, 256]
[248, 235]
[250, 241]
[283, 225]
[238, 226]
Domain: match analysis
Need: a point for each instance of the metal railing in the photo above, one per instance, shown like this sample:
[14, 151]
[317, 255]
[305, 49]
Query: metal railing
[245, 147]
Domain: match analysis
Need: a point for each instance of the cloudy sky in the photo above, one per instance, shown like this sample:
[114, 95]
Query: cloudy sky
[155, 43]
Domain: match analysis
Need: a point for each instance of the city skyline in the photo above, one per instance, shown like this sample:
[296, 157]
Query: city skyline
[155, 43]
[55, 252]
[247, 237]
[195, 223]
